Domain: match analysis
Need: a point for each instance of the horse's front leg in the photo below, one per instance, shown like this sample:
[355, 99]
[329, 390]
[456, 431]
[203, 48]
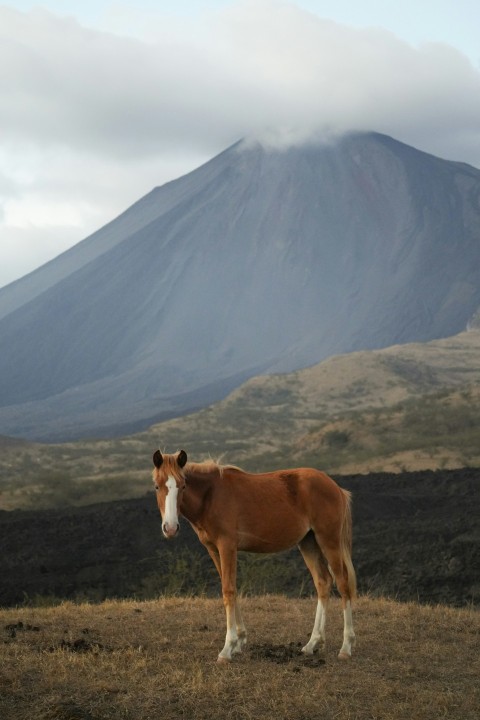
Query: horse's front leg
[228, 563]
[241, 628]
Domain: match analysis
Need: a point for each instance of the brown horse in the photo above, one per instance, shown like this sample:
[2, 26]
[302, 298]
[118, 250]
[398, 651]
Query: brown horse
[233, 510]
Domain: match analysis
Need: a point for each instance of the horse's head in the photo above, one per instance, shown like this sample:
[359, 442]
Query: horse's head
[169, 482]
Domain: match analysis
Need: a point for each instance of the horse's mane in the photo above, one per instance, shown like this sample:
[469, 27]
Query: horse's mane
[208, 466]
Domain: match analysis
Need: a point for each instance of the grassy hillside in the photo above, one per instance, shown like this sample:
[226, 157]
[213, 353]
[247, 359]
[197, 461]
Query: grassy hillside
[144, 661]
[407, 407]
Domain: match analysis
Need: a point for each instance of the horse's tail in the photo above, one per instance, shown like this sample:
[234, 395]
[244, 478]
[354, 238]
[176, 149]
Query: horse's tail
[346, 543]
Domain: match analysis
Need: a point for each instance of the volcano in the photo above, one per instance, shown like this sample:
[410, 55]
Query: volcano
[260, 261]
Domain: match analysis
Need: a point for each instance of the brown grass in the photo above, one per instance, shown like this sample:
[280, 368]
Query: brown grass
[157, 660]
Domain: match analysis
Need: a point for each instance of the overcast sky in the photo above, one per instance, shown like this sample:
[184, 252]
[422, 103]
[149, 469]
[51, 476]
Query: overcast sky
[101, 101]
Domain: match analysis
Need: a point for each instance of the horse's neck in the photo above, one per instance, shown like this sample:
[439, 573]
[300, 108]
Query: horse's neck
[199, 487]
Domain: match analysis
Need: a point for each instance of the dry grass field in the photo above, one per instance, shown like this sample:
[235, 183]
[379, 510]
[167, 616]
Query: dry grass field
[152, 660]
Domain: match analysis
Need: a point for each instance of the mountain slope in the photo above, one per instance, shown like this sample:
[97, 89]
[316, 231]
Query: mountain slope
[259, 261]
[407, 407]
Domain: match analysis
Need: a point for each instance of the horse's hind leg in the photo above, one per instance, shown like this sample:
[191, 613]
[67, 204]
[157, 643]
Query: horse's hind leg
[315, 562]
[337, 565]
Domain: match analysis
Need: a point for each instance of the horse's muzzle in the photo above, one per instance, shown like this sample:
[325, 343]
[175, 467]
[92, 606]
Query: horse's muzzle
[170, 530]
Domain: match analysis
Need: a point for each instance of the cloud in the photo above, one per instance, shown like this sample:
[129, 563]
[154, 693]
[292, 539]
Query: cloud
[255, 65]
[298, 71]
[91, 120]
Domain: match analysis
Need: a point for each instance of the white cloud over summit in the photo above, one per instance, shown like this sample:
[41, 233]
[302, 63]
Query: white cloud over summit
[90, 120]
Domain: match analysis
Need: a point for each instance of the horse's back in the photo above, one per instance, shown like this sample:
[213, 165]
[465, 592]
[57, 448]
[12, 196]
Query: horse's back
[292, 484]
[295, 498]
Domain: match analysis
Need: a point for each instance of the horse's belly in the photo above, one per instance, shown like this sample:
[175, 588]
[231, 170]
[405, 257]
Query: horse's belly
[271, 537]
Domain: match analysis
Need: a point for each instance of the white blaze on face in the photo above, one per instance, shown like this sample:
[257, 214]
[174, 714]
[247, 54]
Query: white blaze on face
[171, 514]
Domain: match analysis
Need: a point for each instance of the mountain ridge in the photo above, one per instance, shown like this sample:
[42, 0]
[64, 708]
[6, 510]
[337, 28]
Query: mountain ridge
[410, 407]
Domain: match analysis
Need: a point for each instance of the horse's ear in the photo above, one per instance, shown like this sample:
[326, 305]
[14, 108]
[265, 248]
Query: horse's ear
[182, 458]
[157, 459]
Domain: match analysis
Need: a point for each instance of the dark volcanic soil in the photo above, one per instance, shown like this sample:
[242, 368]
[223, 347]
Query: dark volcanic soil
[416, 537]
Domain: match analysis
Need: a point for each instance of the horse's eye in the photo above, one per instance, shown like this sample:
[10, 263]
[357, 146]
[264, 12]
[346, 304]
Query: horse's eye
[156, 487]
